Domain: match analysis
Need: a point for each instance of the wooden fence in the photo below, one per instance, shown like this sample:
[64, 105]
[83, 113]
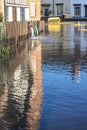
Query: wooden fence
[16, 31]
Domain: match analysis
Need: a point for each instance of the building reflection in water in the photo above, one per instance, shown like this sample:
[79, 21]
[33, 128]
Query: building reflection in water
[76, 56]
[21, 97]
[3, 91]
[67, 52]
[33, 113]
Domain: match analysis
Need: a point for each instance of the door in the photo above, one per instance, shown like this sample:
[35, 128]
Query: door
[85, 11]
[46, 12]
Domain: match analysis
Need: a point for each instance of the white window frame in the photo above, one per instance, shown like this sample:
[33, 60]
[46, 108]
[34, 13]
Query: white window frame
[61, 11]
[78, 13]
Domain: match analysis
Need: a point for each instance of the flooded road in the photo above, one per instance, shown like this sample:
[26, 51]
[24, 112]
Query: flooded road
[43, 85]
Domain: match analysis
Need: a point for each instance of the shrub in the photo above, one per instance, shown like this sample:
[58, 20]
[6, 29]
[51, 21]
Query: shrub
[1, 17]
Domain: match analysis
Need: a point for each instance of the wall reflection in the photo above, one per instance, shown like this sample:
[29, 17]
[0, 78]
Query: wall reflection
[21, 95]
[33, 113]
[68, 51]
[3, 91]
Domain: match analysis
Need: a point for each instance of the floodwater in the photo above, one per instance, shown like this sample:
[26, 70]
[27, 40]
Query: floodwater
[43, 84]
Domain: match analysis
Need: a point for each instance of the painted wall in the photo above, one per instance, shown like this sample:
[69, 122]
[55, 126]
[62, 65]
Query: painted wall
[66, 6]
[52, 3]
[82, 2]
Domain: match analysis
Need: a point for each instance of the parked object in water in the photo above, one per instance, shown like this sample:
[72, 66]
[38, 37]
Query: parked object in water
[53, 20]
[34, 31]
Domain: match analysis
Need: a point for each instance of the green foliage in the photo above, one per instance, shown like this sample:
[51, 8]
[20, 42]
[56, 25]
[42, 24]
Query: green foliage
[49, 11]
[4, 39]
[1, 17]
[41, 12]
[4, 50]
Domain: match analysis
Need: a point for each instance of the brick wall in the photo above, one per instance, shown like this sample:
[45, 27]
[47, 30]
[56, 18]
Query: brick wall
[2, 7]
[37, 10]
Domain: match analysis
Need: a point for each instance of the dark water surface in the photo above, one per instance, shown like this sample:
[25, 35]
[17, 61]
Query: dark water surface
[43, 85]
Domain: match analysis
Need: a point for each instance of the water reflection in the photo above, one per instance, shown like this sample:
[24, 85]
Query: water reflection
[53, 28]
[62, 57]
[33, 114]
[21, 88]
[64, 65]
[68, 49]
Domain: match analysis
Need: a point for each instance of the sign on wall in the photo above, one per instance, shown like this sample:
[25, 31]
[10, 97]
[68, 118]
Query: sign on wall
[32, 9]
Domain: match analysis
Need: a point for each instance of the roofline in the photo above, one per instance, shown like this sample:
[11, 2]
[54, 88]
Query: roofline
[15, 5]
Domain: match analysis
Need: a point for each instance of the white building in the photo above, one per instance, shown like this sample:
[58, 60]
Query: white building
[70, 8]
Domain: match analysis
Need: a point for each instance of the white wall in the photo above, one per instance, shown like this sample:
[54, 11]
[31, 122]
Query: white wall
[82, 2]
[66, 6]
[10, 14]
[18, 14]
[27, 14]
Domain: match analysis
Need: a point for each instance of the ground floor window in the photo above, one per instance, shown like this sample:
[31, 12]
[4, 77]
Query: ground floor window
[86, 11]
[8, 13]
[45, 9]
[16, 13]
[46, 12]
[77, 10]
[59, 9]
[22, 13]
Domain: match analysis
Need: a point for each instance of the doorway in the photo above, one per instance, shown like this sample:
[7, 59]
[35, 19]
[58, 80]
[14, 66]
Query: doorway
[85, 11]
[46, 12]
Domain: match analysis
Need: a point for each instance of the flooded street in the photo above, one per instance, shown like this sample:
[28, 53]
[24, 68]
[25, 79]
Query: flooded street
[43, 85]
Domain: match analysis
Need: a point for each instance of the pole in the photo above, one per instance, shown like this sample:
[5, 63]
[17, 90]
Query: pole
[4, 12]
[4, 20]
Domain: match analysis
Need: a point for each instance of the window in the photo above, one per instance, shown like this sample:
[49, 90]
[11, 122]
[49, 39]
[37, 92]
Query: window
[77, 10]
[59, 9]
[22, 13]
[46, 12]
[45, 8]
[7, 17]
[8, 13]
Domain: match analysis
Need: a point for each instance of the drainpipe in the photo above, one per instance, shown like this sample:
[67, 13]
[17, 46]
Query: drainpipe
[4, 18]
[53, 7]
[4, 10]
